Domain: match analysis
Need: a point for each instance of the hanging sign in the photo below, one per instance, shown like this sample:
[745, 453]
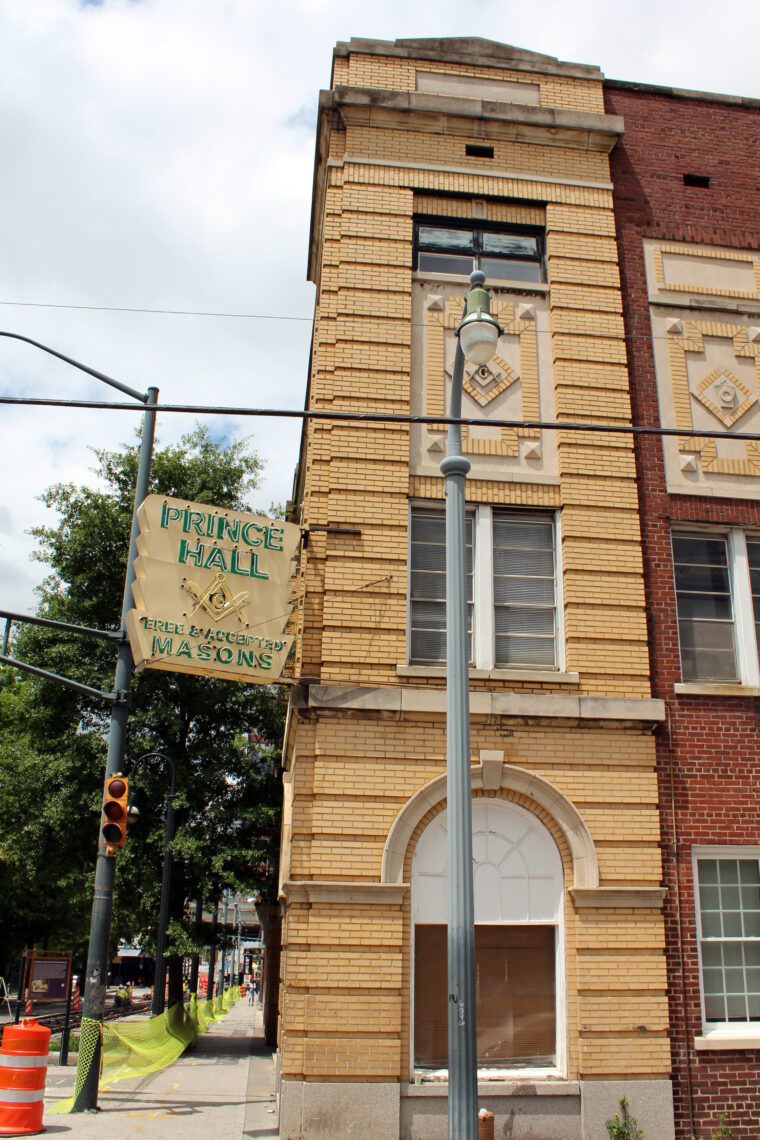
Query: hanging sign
[211, 591]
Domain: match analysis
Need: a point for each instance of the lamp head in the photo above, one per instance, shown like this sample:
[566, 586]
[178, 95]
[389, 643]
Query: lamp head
[479, 331]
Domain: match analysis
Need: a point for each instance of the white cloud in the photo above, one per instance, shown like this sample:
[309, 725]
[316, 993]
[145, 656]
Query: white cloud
[159, 154]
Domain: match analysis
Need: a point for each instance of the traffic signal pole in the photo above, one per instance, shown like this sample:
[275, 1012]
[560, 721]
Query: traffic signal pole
[94, 1001]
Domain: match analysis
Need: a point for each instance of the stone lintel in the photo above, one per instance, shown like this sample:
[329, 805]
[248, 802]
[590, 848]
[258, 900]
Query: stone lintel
[567, 706]
[638, 897]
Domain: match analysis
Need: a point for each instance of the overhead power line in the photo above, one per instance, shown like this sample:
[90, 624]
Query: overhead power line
[158, 312]
[626, 336]
[378, 418]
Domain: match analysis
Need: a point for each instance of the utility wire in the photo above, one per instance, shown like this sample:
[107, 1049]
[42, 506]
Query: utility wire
[159, 312]
[379, 418]
[627, 336]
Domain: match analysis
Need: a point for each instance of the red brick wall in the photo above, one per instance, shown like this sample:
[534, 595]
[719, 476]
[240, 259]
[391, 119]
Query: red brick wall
[709, 754]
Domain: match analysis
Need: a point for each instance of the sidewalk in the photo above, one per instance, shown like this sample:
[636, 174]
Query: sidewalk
[223, 1089]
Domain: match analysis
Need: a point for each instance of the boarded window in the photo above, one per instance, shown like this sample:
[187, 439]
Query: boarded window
[515, 994]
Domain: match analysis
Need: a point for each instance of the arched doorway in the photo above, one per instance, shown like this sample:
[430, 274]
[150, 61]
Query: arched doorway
[518, 880]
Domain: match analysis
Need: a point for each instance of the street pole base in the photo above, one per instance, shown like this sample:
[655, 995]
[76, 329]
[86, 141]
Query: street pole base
[88, 1066]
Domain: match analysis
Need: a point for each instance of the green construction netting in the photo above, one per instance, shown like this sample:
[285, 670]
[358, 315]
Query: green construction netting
[137, 1048]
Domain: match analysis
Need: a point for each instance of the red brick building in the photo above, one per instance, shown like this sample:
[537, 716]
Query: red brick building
[686, 178]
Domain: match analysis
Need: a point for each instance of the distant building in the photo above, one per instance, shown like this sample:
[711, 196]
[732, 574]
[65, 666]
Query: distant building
[435, 157]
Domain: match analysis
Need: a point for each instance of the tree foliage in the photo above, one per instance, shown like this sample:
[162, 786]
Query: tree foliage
[222, 736]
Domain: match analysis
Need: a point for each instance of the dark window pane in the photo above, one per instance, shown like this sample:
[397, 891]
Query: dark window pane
[706, 550]
[525, 621]
[444, 263]
[509, 270]
[429, 526]
[708, 870]
[430, 615]
[514, 560]
[698, 578]
[715, 607]
[440, 238]
[428, 645]
[505, 245]
[523, 591]
[531, 534]
[699, 665]
[528, 651]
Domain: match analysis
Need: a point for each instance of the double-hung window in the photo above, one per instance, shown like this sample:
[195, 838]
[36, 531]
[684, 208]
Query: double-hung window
[728, 909]
[511, 588]
[717, 578]
[506, 254]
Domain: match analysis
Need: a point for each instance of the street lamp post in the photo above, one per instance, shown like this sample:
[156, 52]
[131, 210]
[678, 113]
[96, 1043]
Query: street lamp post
[96, 976]
[477, 336]
[159, 978]
[236, 945]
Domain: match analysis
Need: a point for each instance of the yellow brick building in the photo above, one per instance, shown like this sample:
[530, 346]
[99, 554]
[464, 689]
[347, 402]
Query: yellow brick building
[435, 157]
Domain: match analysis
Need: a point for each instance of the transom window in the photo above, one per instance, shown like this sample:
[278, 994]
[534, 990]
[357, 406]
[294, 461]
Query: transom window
[511, 588]
[728, 885]
[717, 578]
[514, 254]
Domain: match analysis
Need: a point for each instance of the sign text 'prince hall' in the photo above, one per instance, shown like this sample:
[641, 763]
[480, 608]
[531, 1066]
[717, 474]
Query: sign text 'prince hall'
[211, 591]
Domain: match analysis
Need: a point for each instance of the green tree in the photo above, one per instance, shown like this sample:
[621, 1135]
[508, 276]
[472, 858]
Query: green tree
[53, 752]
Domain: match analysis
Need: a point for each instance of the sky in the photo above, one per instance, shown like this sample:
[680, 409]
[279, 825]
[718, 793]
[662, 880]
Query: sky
[158, 155]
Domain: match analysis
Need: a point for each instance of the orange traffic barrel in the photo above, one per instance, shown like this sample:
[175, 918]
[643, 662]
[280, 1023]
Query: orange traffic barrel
[23, 1068]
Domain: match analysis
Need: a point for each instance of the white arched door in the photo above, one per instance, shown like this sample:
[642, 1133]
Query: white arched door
[518, 884]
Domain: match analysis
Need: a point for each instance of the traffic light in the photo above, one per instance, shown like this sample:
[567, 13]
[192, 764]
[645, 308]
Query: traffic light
[114, 828]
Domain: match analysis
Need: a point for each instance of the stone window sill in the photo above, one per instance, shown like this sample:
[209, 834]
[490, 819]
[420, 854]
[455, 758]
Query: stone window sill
[700, 689]
[724, 1041]
[502, 284]
[497, 1082]
[547, 676]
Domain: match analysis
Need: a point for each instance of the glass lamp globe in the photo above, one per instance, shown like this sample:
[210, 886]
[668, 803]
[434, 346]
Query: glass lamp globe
[478, 336]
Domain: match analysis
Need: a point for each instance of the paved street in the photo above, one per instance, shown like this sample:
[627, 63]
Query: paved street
[223, 1089]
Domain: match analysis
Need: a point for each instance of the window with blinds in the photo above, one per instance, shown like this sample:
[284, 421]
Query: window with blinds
[705, 607]
[511, 588]
[427, 627]
[717, 580]
[523, 590]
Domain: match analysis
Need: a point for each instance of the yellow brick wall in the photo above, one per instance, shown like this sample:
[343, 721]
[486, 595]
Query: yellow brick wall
[346, 997]
[362, 359]
[390, 74]
[348, 968]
